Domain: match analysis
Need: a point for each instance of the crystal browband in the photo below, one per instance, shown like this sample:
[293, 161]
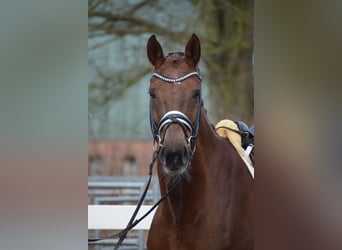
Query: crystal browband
[178, 80]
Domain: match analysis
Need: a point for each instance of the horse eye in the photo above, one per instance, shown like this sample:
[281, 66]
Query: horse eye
[152, 93]
[197, 93]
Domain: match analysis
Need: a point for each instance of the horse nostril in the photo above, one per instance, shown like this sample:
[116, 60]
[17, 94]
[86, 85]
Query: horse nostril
[185, 153]
[162, 156]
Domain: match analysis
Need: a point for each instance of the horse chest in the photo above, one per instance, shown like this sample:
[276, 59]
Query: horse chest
[200, 234]
[202, 229]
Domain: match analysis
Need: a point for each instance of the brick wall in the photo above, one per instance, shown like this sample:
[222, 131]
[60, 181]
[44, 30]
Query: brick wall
[120, 157]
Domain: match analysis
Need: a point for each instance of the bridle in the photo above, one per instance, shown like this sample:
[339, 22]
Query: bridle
[171, 117]
[176, 117]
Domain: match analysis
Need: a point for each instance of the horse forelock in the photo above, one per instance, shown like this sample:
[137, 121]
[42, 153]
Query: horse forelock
[173, 54]
[175, 58]
[176, 61]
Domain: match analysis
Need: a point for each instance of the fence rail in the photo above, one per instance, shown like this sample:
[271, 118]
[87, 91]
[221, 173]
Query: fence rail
[116, 217]
[111, 203]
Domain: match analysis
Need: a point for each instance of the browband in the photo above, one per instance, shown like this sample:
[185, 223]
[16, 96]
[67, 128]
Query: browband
[178, 80]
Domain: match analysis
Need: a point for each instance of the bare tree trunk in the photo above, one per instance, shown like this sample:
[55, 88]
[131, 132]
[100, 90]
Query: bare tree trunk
[227, 53]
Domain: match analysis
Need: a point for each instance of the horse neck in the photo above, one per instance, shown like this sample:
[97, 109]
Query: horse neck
[207, 137]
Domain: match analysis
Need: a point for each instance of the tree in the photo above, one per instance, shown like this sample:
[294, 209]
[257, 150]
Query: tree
[224, 27]
[228, 50]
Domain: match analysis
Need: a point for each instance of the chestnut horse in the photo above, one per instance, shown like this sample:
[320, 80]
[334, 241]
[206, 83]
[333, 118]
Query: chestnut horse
[211, 205]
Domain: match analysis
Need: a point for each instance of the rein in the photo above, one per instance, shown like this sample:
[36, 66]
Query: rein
[171, 117]
[242, 133]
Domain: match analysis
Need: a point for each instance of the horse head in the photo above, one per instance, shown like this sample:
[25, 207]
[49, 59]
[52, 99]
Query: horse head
[175, 103]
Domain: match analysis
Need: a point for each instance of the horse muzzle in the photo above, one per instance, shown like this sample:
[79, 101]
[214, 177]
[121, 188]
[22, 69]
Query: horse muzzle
[175, 160]
[176, 137]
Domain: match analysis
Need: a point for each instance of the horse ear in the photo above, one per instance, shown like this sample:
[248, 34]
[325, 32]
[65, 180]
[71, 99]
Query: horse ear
[154, 51]
[193, 49]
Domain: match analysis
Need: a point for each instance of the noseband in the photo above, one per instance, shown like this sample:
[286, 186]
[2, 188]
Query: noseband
[176, 117]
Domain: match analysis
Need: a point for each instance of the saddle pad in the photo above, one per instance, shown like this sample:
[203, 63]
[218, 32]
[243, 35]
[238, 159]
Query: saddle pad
[232, 136]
